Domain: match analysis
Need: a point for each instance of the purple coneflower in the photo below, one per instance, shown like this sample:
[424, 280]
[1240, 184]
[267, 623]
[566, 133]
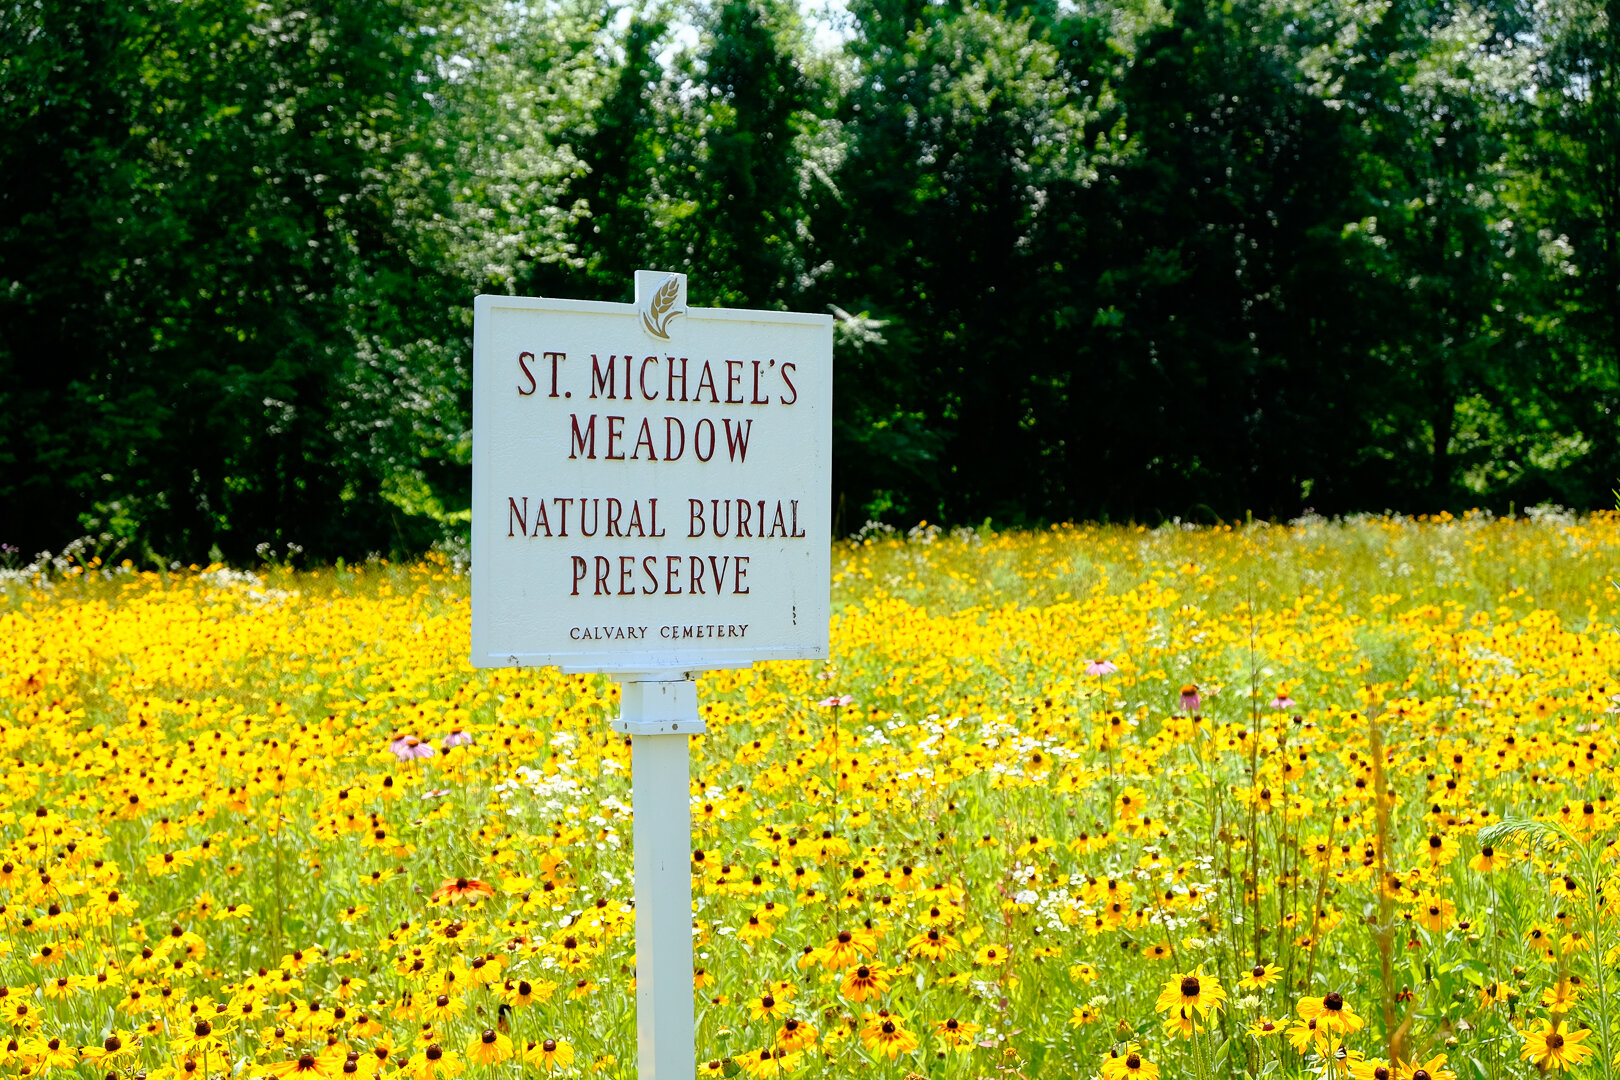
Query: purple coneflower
[1101, 667]
[409, 748]
[1190, 701]
[458, 737]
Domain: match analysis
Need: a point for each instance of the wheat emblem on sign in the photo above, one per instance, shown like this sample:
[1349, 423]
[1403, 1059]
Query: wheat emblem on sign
[661, 309]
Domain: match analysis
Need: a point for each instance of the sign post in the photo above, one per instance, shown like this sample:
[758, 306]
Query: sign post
[651, 499]
[659, 715]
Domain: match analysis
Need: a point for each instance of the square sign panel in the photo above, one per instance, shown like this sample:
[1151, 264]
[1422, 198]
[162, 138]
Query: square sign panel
[651, 483]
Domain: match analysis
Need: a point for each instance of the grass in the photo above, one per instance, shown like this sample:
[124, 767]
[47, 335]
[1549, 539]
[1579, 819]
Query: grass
[206, 822]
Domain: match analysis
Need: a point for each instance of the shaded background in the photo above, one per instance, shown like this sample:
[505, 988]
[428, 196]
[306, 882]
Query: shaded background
[1120, 261]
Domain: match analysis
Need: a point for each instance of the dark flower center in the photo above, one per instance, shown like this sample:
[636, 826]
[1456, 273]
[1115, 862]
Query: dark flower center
[434, 1053]
[1555, 1041]
[1334, 1001]
[1189, 986]
[549, 1046]
[1258, 971]
[488, 1036]
[1134, 1061]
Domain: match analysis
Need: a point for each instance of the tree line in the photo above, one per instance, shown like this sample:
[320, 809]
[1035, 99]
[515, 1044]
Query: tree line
[1116, 259]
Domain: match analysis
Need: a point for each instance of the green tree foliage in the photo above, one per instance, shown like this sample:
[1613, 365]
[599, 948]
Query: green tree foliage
[1123, 259]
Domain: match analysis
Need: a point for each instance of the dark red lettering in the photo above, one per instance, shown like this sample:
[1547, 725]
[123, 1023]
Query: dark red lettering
[577, 443]
[706, 379]
[527, 374]
[644, 439]
[603, 380]
[672, 428]
[554, 357]
[737, 440]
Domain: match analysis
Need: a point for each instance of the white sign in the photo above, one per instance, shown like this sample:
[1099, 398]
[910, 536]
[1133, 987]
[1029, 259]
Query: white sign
[651, 483]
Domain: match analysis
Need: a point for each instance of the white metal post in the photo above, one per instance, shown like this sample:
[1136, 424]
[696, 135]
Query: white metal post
[658, 713]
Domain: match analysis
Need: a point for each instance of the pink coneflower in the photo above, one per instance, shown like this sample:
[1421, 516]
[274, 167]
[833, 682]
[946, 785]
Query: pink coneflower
[834, 702]
[409, 748]
[1282, 701]
[1101, 667]
[1190, 701]
[456, 738]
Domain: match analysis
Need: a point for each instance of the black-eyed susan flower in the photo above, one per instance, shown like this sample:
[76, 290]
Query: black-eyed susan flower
[1433, 1069]
[306, 1066]
[550, 1054]
[51, 1054]
[889, 1038]
[454, 889]
[933, 944]
[1259, 976]
[1083, 1015]
[795, 1034]
[864, 982]
[1129, 1064]
[489, 1047]
[1554, 1046]
[1370, 1069]
[1192, 991]
[955, 1033]
[770, 1061]
[1330, 1013]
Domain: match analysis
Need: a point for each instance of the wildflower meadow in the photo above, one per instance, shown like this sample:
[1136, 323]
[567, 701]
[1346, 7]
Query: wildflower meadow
[1323, 799]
